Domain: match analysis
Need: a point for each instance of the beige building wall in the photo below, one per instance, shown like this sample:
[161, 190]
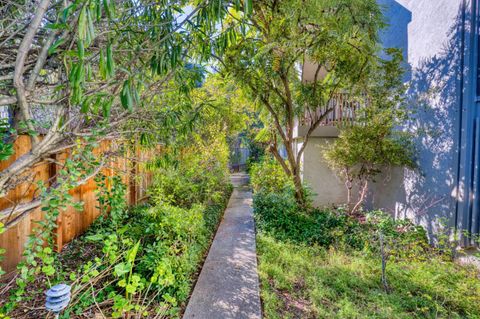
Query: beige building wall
[329, 189]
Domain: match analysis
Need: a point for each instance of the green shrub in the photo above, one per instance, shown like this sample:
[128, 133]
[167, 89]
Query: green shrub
[153, 255]
[173, 242]
[142, 261]
[268, 176]
[279, 215]
[403, 239]
[198, 175]
[373, 142]
[188, 185]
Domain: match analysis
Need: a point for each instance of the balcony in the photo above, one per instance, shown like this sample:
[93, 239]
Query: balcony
[343, 113]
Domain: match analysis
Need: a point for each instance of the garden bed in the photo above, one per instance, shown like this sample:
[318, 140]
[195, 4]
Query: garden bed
[171, 244]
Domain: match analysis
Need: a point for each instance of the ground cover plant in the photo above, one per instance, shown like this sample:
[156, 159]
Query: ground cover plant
[327, 264]
[301, 281]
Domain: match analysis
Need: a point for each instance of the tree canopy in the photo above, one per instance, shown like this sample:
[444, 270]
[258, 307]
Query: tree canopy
[72, 70]
[340, 37]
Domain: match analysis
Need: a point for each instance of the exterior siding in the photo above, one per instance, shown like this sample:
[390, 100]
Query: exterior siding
[440, 44]
[430, 33]
[325, 185]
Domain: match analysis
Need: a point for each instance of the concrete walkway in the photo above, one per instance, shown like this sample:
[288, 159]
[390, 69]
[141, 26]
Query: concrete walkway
[228, 284]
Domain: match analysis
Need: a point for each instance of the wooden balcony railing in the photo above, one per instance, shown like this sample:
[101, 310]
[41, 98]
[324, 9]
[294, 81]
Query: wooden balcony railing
[343, 110]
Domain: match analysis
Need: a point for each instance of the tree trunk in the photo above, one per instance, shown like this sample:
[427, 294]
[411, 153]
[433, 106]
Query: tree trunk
[384, 263]
[299, 192]
[361, 196]
[349, 186]
[291, 169]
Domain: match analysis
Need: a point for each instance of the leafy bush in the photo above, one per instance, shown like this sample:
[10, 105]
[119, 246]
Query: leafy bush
[268, 176]
[279, 215]
[173, 241]
[153, 256]
[198, 175]
[403, 239]
[374, 142]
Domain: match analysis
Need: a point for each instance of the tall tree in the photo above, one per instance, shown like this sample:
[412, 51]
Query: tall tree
[339, 36]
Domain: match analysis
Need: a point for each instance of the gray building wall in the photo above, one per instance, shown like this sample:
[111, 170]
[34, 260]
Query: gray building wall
[440, 44]
[328, 189]
[429, 32]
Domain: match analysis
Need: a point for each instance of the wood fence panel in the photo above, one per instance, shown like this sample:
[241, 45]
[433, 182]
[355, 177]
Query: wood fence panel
[16, 236]
[70, 223]
[25, 191]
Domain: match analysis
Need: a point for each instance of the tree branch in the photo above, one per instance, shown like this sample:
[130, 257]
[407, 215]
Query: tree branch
[317, 122]
[276, 154]
[8, 100]
[23, 50]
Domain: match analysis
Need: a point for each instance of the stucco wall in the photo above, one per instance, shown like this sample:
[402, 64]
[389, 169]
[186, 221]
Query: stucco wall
[429, 32]
[329, 189]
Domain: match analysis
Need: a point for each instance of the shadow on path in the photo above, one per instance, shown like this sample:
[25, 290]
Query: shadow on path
[228, 283]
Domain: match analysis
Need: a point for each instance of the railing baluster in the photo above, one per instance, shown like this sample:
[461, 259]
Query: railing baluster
[343, 113]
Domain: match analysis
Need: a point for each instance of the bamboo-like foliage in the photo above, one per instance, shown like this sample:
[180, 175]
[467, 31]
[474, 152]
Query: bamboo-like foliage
[71, 70]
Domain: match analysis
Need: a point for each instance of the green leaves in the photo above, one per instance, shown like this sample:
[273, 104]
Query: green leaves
[55, 45]
[91, 28]
[95, 238]
[102, 65]
[82, 24]
[122, 269]
[6, 149]
[48, 270]
[107, 107]
[96, 103]
[86, 29]
[109, 7]
[248, 7]
[132, 253]
[67, 12]
[106, 64]
[110, 61]
[167, 58]
[129, 96]
[80, 49]
[126, 96]
[76, 79]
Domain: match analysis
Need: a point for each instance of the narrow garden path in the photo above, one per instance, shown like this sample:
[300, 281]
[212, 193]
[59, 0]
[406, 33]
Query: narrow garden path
[228, 284]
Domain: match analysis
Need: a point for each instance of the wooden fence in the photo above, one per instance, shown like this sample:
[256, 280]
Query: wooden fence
[70, 223]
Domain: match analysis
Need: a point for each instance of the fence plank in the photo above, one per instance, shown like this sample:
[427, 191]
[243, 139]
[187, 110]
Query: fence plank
[70, 223]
